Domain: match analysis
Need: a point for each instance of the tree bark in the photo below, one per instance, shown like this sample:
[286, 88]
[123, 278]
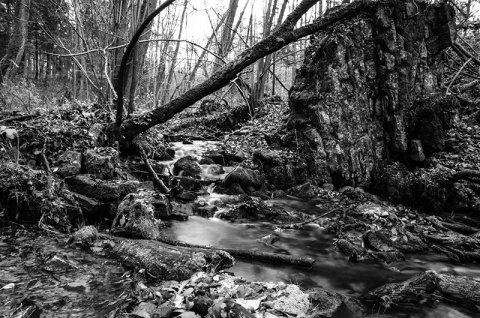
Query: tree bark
[284, 35]
[18, 39]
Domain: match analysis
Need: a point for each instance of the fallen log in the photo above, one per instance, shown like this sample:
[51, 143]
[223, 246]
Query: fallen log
[461, 291]
[250, 255]
[19, 118]
[160, 261]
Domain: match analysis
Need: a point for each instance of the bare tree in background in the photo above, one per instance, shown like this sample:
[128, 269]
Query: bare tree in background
[16, 45]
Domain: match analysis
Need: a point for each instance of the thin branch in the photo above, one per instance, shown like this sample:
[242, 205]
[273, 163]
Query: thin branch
[456, 75]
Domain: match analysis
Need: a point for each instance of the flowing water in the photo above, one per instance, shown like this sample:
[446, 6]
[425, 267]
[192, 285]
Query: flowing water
[41, 277]
[91, 286]
[332, 270]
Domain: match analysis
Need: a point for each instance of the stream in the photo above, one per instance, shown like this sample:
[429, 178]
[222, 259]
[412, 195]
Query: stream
[88, 285]
[332, 270]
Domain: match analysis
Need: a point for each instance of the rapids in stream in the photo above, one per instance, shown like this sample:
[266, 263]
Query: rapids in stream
[332, 270]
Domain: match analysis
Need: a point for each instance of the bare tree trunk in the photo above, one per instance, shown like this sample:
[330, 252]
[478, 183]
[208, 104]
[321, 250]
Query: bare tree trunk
[259, 86]
[225, 39]
[138, 56]
[16, 45]
[202, 55]
[173, 63]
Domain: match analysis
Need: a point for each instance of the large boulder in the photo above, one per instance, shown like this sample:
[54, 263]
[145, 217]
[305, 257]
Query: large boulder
[361, 91]
[249, 180]
[187, 167]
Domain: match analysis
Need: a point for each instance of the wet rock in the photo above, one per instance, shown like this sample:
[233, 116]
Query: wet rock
[234, 188]
[228, 308]
[85, 236]
[378, 241]
[206, 211]
[139, 214]
[215, 156]
[206, 161]
[188, 183]
[187, 167]
[292, 301]
[101, 161]
[69, 164]
[325, 303]
[201, 304]
[279, 194]
[170, 151]
[249, 180]
[251, 208]
[268, 157]
[105, 191]
[305, 191]
[187, 196]
[233, 157]
[214, 169]
[416, 151]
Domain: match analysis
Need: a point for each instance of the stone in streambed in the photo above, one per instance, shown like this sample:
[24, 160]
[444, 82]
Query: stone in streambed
[326, 303]
[201, 305]
[204, 210]
[251, 208]
[187, 167]
[187, 195]
[215, 157]
[249, 180]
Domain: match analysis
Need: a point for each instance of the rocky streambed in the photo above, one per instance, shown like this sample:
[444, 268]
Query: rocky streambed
[367, 257]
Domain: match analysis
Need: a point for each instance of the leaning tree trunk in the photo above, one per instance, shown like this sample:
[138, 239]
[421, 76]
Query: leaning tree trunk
[16, 45]
[282, 36]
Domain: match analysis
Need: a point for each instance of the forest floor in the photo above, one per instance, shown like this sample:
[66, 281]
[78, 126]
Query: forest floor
[366, 227]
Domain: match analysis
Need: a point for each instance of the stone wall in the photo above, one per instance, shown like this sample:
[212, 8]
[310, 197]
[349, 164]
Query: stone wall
[356, 96]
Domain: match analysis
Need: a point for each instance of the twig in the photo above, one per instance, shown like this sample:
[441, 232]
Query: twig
[45, 161]
[299, 225]
[456, 75]
[156, 180]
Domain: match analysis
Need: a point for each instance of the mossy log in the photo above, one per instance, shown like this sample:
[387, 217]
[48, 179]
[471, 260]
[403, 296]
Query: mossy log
[460, 291]
[159, 261]
[166, 262]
